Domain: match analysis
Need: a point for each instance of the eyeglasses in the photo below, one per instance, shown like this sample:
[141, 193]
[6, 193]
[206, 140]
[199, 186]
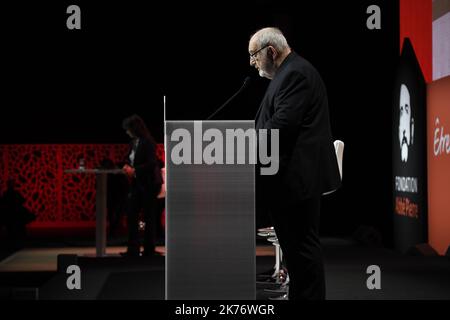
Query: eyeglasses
[253, 55]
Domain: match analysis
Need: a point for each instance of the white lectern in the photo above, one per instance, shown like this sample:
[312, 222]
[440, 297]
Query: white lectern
[210, 210]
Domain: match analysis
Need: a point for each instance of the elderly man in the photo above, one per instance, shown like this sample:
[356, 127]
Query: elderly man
[296, 104]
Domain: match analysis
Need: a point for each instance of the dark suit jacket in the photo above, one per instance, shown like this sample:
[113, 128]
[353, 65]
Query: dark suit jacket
[296, 103]
[148, 172]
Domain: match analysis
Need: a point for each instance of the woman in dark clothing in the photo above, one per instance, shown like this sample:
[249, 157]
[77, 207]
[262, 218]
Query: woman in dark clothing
[144, 173]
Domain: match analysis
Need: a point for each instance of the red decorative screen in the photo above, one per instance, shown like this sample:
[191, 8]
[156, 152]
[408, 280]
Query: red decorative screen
[54, 196]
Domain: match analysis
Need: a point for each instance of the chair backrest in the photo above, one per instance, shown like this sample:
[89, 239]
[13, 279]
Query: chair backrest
[339, 149]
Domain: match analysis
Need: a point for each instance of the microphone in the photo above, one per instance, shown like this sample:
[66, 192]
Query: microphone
[244, 85]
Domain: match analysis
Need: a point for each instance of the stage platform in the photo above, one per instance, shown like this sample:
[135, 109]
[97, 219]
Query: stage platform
[115, 277]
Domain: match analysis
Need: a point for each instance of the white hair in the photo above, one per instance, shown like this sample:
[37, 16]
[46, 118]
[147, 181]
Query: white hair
[271, 36]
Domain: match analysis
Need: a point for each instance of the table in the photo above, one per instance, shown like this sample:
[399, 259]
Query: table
[101, 208]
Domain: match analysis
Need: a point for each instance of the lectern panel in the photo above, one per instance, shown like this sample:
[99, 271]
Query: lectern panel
[210, 211]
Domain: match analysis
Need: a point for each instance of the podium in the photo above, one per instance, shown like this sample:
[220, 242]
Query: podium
[210, 210]
[100, 204]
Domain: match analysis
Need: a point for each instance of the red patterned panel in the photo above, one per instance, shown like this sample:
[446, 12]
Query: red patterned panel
[34, 170]
[160, 153]
[53, 195]
[3, 166]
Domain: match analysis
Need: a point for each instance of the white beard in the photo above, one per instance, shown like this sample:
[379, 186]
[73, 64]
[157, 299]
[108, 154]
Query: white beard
[404, 149]
[264, 74]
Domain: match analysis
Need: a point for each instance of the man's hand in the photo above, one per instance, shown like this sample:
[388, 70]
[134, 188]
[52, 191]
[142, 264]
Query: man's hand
[129, 170]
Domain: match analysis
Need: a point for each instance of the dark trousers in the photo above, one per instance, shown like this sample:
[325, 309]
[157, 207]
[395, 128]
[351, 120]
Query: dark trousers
[141, 199]
[296, 224]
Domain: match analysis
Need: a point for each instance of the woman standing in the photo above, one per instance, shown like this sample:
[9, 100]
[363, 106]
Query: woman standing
[144, 173]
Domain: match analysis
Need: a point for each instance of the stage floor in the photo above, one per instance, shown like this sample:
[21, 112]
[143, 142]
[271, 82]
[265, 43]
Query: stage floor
[45, 259]
[402, 277]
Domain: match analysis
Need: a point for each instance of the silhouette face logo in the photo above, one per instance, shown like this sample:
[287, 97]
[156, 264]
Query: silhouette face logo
[406, 123]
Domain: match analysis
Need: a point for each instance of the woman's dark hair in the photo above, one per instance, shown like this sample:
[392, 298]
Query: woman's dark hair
[137, 127]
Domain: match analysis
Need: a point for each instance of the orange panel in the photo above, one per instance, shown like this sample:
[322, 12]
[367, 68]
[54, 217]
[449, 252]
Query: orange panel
[438, 123]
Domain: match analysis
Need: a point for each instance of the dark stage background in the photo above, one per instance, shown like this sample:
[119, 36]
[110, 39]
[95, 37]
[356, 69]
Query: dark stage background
[62, 86]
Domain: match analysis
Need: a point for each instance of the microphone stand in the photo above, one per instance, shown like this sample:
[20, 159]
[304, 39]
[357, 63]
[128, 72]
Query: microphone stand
[244, 85]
